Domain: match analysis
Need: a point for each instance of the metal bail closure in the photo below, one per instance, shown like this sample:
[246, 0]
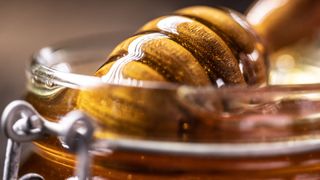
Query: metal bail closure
[22, 123]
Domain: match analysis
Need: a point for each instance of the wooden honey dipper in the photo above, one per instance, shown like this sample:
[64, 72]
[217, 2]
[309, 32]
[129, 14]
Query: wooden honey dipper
[195, 46]
[203, 45]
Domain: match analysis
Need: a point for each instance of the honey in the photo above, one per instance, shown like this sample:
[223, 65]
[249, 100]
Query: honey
[188, 116]
[184, 115]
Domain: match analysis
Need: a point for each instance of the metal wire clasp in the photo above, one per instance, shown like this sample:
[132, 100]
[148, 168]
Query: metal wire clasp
[20, 122]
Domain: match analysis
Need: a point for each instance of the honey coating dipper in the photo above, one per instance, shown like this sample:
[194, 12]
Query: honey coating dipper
[194, 46]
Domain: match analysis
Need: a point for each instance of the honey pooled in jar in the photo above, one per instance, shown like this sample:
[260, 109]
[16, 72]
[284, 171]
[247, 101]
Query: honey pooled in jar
[197, 46]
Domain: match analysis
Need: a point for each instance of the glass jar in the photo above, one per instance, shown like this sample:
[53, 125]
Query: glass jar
[168, 131]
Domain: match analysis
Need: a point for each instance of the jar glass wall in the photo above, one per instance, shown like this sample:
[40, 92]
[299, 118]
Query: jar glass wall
[168, 131]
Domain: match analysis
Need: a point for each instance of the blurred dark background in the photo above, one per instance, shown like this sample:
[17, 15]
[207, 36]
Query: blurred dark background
[26, 26]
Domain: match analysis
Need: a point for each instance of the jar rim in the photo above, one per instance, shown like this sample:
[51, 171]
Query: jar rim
[222, 150]
[40, 67]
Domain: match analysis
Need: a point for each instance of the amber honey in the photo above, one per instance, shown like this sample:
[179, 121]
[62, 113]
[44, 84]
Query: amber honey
[187, 115]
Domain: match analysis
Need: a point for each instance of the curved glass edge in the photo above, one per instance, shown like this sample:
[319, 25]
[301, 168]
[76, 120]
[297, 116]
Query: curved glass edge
[234, 150]
[41, 69]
